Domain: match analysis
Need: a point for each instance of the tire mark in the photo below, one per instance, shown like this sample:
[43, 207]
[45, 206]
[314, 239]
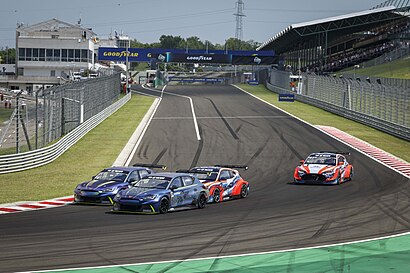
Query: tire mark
[280, 134]
[160, 155]
[198, 150]
[234, 135]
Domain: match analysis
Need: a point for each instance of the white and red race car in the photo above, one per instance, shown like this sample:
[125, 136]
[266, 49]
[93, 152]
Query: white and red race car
[324, 168]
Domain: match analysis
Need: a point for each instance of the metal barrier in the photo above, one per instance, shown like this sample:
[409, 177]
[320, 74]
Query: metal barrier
[386, 108]
[37, 158]
[48, 114]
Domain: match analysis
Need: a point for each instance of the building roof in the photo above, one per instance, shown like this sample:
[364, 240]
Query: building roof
[333, 27]
[53, 25]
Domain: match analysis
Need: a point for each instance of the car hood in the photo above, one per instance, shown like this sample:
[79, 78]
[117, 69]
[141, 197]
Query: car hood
[317, 168]
[138, 192]
[99, 184]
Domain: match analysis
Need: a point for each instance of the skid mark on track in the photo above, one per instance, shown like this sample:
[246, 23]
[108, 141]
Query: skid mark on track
[234, 135]
[198, 151]
[160, 155]
[280, 134]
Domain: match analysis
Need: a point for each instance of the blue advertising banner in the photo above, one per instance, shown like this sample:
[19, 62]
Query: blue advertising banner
[287, 97]
[146, 54]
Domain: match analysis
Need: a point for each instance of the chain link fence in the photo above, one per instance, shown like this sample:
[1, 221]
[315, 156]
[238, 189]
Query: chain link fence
[49, 114]
[382, 106]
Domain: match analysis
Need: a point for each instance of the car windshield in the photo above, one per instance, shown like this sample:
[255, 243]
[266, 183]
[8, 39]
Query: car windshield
[153, 183]
[113, 175]
[325, 159]
[210, 176]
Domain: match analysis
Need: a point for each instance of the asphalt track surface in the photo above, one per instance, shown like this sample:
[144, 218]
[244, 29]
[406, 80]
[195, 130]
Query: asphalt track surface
[235, 128]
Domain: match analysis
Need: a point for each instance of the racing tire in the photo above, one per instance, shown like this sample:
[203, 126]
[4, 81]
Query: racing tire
[217, 196]
[201, 201]
[244, 191]
[351, 174]
[163, 205]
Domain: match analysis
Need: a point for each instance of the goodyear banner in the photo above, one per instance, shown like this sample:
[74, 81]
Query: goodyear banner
[184, 56]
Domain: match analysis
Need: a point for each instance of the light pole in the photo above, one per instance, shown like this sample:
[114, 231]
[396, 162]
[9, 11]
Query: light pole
[126, 67]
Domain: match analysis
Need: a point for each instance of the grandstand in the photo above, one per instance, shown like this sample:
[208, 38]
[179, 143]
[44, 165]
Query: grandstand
[331, 44]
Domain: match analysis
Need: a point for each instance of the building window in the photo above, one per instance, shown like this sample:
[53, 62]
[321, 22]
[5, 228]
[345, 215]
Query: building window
[57, 55]
[35, 54]
[49, 55]
[84, 55]
[29, 54]
[42, 54]
[22, 54]
[64, 55]
[77, 55]
[71, 55]
[52, 73]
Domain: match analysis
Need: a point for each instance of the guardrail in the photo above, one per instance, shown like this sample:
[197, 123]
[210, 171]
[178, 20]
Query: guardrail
[43, 156]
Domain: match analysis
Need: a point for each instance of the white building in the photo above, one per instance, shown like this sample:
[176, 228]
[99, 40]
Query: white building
[53, 49]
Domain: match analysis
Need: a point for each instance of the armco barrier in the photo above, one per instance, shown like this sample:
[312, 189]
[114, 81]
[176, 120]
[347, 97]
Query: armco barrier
[37, 158]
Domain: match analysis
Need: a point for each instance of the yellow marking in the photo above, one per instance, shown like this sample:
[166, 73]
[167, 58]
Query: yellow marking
[109, 198]
[153, 210]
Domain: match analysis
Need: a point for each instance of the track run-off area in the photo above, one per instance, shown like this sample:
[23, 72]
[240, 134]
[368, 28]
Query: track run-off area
[208, 125]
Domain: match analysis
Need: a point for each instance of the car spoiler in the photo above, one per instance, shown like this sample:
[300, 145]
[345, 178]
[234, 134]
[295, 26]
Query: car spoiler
[333, 152]
[192, 171]
[233, 166]
[153, 166]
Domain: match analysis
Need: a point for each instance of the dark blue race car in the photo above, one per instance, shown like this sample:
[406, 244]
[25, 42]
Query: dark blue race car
[162, 192]
[107, 183]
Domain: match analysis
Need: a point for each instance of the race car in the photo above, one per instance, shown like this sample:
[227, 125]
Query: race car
[324, 168]
[222, 181]
[160, 193]
[107, 183]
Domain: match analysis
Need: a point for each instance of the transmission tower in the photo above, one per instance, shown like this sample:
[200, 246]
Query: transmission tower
[239, 14]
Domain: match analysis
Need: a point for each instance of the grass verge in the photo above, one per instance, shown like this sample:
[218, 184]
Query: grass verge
[316, 116]
[95, 151]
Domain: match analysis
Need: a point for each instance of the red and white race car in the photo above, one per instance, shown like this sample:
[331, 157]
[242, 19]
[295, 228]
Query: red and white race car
[223, 181]
[324, 168]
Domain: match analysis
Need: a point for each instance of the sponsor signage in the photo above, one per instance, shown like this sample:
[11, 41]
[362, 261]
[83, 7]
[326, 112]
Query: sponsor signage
[253, 82]
[198, 58]
[253, 60]
[287, 97]
[182, 79]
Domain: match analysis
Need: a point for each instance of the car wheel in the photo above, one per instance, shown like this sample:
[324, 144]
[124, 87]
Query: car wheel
[244, 191]
[217, 195]
[339, 178]
[163, 205]
[351, 174]
[202, 201]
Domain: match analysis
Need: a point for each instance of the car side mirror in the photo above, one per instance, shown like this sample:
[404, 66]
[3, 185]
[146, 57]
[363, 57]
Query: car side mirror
[302, 161]
[173, 187]
[93, 177]
[341, 163]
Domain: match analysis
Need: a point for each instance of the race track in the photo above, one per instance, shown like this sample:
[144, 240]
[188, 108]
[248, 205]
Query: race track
[234, 128]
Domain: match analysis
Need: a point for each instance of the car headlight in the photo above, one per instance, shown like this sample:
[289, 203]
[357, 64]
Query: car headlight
[328, 174]
[107, 190]
[301, 173]
[150, 197]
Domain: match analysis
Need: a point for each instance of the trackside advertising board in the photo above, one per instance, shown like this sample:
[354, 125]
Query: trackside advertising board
[184, 56]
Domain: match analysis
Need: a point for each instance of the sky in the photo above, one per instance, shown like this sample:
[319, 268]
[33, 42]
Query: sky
[147, 20]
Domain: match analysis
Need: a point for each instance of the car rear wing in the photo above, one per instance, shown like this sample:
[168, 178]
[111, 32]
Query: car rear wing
[152, 166]
[193, 171]
[335, 152]
[233, 166]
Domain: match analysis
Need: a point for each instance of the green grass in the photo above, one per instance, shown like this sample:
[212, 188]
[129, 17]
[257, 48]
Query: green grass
[95, 151]
[316, 116]
[399, 69]
[5, 113]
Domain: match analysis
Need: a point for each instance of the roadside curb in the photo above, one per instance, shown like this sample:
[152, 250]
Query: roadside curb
[36, 205]
[377, 154]
[127, 150]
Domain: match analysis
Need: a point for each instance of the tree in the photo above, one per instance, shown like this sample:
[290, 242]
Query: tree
[8, 55]
[169, 41]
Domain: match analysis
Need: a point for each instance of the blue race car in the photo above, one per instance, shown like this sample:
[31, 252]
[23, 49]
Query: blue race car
[107, 183]
[162, 192]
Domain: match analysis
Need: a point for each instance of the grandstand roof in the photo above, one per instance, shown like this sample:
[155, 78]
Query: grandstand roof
[333, 27]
